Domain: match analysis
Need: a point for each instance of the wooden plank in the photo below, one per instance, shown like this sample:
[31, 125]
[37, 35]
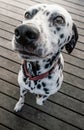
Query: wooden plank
[3, 128]
[74, 70]
[50, 108]
[11, 8]
[6, 43]
[71, 5]
[9, 20]
[16, 4]
[9, 54]
[80, 31]
[58, 98]
[73, 60]
[72, 91]
[77, 53]
[80, 46]
[7, 27]
[6, 35]
[73, 80]
[79, 24]
[10, 65]
[15, 122]
[78, 2]
[81, 39]
[12, 14]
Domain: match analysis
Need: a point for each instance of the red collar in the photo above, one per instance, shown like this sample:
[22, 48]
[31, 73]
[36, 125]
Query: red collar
[27, 74]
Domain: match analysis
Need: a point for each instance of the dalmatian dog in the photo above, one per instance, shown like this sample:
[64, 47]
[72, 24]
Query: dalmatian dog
[39, 40]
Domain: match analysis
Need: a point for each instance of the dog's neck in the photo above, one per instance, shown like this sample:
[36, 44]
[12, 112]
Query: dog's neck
[38, 67]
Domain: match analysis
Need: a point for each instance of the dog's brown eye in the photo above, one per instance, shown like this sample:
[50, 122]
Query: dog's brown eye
[59, 20]
[27, 15]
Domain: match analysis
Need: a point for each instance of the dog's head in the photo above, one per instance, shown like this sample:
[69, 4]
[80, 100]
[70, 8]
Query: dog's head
[45, 30]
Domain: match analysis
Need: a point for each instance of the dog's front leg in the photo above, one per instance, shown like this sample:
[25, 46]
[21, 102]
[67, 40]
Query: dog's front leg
[41, 98]
[20, 103]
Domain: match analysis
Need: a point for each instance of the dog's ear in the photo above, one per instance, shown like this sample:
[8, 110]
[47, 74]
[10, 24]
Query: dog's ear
[71, 44]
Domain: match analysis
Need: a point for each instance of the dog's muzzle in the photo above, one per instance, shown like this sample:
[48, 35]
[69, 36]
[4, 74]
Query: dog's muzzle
[25, 34]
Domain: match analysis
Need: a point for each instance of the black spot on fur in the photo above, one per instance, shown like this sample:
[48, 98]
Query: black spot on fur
[62, 47]
[58, 41]
[67, 24]
[68, 38]
[60, 44]
[24, 79]
[48, 60]
[22, 102]
[57, 81]
[57, 54]
[59, 61]
[46, 90]
[46, 66]
[58, 28]
[47, 13]
[24, 91]
[62, 36]
[49, 77]
[57, 84]
[34, 11]
[52, 17]
[44, 96]
[54, 32]
[43, 84]
[32, 88]
[38, 67]
[35, 82]
[59, 67]
[29, 83]
[38, 86]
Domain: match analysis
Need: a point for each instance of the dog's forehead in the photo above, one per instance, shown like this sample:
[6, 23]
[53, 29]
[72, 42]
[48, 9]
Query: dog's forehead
[49, 8]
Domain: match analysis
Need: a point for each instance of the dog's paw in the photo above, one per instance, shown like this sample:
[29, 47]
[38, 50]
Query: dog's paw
[39, 101]
[18, 106]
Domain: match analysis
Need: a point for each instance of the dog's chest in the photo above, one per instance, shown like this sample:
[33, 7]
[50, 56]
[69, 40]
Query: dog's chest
[47, 85]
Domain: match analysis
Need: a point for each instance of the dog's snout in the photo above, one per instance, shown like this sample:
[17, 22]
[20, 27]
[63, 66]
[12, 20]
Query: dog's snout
[26, 34]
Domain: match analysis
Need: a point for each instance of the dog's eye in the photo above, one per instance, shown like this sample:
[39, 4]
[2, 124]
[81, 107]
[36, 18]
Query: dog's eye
[59, 20]
[27, 15]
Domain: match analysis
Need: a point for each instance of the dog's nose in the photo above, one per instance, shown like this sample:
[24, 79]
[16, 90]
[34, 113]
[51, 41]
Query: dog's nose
[25, 34]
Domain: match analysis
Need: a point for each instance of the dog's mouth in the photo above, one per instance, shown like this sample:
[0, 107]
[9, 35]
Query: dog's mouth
[30, 55]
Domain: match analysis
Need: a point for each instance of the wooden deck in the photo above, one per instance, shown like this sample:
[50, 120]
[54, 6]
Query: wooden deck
[62, 111]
